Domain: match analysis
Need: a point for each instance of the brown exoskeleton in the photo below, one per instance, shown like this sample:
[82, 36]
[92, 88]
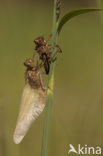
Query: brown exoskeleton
[44, 51]
[32, 75]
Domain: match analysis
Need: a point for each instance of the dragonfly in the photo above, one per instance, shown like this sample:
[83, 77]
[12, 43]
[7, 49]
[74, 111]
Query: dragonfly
[32, 101]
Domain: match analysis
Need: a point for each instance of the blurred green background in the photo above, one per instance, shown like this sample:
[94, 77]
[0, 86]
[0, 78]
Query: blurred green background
[77, 115]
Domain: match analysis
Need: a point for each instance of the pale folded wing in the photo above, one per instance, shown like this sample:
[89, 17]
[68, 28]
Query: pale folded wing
[32, 104]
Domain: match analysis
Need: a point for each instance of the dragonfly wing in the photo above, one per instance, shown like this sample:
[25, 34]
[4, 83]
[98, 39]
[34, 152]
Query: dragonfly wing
[32, 104]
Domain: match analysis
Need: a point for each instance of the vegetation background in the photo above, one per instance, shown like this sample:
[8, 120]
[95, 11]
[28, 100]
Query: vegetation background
[77, 115]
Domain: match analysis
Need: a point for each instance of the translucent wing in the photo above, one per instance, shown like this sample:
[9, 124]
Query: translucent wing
[32, 104]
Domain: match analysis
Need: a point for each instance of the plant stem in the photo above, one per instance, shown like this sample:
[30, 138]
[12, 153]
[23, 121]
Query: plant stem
[100, 5]
[46, 130]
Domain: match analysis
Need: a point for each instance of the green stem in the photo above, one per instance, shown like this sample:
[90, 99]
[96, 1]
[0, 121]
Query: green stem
[100, 5]
[46, 130]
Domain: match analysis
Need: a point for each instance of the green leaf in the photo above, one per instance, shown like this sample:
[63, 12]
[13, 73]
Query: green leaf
[72, 14]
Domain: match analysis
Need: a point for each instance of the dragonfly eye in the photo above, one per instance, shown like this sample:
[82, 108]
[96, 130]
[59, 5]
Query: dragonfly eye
[29, 63]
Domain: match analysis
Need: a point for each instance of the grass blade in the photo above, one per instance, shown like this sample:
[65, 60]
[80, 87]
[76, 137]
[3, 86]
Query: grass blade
[46, 130]
[72, 14]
